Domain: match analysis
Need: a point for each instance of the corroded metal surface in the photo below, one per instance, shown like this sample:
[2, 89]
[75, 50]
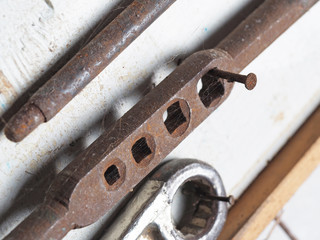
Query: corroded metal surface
[85, 66]
[153, 205]
[111, 166]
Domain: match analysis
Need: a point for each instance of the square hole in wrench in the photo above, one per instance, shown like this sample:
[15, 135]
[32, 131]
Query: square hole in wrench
[140, 150]
[177, 117]
[192, 212]
[112, 175]
[210, 90]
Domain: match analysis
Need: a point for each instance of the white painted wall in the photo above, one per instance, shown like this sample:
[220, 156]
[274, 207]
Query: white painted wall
[238, 139]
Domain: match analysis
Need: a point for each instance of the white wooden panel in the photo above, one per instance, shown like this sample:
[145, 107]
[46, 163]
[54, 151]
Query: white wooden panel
[238, 139]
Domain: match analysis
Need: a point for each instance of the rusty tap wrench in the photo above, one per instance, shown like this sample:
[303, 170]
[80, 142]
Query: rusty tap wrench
[112, 165]
[84, 66]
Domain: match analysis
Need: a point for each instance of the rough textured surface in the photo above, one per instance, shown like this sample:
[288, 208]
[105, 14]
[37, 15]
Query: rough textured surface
[287, 91]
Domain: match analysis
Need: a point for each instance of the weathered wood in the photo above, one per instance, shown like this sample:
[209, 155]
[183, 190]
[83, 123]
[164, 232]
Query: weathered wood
[276, 184]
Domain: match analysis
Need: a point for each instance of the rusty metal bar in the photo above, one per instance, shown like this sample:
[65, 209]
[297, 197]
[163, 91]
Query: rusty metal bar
[261, 28]
[85, 66]
[111, 166]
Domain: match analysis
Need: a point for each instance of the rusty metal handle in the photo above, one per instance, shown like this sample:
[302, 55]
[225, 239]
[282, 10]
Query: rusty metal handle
[111, 166]
[261, 28]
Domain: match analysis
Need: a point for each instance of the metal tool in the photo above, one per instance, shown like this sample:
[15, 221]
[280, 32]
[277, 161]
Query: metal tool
[85, 66]
[123, 155]
[148, 215]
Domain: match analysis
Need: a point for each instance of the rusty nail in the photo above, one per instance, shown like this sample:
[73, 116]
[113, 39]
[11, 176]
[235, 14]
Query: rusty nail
[230, 199]
[249, 81]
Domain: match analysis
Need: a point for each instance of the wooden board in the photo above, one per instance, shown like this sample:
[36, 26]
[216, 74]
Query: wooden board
[275, 185]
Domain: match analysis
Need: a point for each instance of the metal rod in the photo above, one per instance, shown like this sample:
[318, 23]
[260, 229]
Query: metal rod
[249, 80]
[261, 28]
[84, 66]
[287, 230]
[229, 199]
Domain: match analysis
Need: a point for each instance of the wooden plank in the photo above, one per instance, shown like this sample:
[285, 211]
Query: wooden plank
[275, 185]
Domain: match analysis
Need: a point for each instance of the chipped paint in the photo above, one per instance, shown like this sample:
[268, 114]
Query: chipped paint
[7, 92]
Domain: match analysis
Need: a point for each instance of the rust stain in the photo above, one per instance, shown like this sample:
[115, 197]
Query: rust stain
[6, 89]
[279, 117]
